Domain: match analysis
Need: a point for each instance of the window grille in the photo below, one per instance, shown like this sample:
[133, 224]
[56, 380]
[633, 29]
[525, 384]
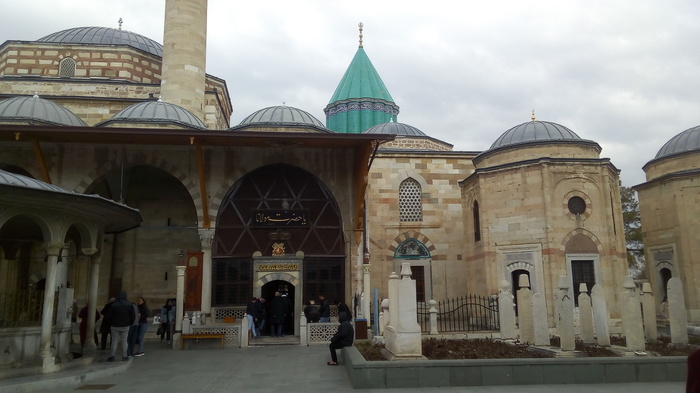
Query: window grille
[410, 204]
[66, 67]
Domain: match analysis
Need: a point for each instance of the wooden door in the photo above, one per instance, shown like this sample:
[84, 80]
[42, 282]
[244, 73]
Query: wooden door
[193, 281]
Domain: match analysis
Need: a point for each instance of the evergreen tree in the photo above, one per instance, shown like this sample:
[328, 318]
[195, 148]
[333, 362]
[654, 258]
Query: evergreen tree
[633, 231]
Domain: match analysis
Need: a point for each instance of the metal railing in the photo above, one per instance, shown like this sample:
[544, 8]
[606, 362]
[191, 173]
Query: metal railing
[22, 308]
[462, 314]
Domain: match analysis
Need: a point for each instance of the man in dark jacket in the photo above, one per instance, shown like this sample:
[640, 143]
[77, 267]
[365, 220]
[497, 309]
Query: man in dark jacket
[122, 315]
[343, 338]
[325, 309]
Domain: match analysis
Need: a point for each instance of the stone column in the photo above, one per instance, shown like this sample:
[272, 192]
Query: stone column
[677, 314]
[90, 349]
[539, 320]
[649, 313]
[366, 290]
[600, 316]
[206, 236]
[180, 313]
[53, 250]
[565, 329]
[632, 316]
[585, 312]
[506, 310]
[525, 322]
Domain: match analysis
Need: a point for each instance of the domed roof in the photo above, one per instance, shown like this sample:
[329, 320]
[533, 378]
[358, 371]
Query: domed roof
[361, 80]
[395, 129]
[281, 115]
[156, 112]
[36, 109]
[534, 131]
[687, 140]
[104, 36]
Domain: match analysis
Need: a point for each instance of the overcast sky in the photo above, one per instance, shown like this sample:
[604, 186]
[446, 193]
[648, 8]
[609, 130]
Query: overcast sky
[625, 74]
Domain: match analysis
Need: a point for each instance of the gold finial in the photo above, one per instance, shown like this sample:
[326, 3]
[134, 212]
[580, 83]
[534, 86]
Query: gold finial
[361, 25]
[533, 115]
[120, 23]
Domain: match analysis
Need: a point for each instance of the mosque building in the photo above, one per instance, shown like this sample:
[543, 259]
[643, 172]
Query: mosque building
[281, 201]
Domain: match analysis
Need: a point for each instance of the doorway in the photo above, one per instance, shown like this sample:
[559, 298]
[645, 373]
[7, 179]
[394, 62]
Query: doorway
[287, 293]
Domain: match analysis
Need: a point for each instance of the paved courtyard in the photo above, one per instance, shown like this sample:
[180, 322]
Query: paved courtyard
[283, 368]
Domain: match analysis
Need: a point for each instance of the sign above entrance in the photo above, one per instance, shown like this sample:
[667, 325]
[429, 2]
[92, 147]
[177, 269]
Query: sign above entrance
[274, 218]
[276, 267]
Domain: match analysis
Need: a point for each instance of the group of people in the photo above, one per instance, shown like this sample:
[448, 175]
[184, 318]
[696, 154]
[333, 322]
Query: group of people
[126, 323]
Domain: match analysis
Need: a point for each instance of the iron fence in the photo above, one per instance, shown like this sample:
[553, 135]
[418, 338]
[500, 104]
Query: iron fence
[22, 308]
[462, 314]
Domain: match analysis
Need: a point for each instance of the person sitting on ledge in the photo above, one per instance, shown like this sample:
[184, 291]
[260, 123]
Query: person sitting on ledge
[342, 338]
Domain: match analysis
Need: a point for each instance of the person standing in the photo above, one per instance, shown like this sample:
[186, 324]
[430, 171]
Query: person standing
[324, 310]
[311, 312]
[144, 312]
[106, 325]
[253, 311]
[278, 312]
[122, 315]
[166, 318]
[83, 315]
[342, 338]
[133, 332]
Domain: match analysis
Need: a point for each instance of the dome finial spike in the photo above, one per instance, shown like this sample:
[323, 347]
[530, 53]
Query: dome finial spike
[361, 25]
[533, 115]
[120, 23]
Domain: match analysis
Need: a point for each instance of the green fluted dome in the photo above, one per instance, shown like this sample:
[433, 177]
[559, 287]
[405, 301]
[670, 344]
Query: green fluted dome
[361, 99]
[361, 80]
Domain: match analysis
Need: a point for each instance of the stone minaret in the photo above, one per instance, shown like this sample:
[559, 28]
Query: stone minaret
[185, 54]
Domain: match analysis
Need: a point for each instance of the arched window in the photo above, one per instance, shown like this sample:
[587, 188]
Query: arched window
[477, 224]
[66, 67]
[410, 203]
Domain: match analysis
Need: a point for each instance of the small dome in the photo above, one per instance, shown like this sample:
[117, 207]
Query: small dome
[395, 129]
[534, 131]
[104, 36]
[686, 141]
[281, 115]
[156, 112]
[36, 109]
[13, 179]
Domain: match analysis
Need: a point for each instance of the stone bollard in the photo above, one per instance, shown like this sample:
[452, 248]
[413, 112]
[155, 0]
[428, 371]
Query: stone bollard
[433, 316]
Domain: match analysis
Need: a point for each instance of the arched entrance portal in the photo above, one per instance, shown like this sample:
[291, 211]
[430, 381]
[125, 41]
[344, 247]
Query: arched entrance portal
[287, 295]
[278, 223]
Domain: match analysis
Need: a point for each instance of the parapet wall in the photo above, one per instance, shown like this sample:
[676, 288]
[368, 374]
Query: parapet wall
[492, 372]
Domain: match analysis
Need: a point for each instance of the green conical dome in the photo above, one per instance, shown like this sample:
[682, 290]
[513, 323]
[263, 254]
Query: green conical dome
[361, 80]
[361, 99]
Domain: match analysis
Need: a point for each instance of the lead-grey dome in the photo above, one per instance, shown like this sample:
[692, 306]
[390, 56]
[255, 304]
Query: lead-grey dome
[104, 36]
[13, 179]
[534, 131]
[156, 112]
[37, 110]
[395, 129]
[686, 141]
[280, 116]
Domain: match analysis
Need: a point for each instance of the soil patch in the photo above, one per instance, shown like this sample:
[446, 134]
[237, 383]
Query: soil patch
[486, 348]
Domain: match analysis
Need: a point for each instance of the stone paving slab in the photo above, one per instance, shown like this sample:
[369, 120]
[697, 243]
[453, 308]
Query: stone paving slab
[284, 368]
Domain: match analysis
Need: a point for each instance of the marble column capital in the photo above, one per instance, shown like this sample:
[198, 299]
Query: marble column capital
[206, 237]
[54, 248]
[181, 270]
[91, 252]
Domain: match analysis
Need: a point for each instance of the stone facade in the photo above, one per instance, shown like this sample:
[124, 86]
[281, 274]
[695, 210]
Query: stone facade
[669, 204]
[517, 219]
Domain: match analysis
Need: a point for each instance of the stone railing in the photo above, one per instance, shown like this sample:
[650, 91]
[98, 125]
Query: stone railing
[316, 333]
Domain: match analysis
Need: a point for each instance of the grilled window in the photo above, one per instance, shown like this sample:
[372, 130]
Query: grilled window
[66, 67]
[410, 203]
